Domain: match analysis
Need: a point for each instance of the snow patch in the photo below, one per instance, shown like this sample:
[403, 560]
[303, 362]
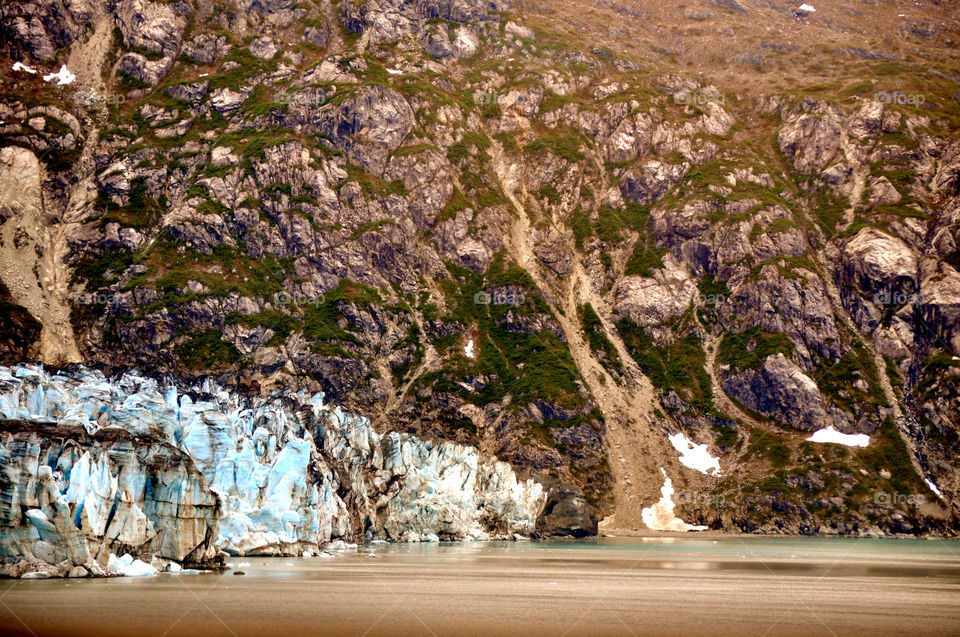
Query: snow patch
[20, 66]
[394, 71]
[660, 516]
[831, 435]
[468, 350]
[695, 456]
[933, 488]
[64, 76]
[806, 8]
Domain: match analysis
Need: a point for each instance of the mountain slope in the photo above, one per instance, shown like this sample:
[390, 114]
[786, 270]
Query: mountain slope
[479, 222]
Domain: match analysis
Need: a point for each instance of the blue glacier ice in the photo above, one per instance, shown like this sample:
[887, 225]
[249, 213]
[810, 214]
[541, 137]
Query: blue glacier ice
[92, 467]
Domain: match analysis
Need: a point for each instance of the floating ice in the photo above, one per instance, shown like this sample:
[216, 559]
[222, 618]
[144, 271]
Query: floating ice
[62, 77]
[129, 567]
[468, 350]
[20, 66]
[695, 456]
[660, 516]
[831, 435]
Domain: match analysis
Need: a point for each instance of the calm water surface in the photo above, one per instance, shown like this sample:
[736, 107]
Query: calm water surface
[636, 586]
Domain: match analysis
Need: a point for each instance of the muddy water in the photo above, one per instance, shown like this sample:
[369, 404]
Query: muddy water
[640, 586]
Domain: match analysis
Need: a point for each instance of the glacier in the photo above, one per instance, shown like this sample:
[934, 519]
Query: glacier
[171, 475]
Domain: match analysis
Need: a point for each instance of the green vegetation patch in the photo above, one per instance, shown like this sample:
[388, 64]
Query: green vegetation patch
[600, 344]
[525, 363]
[748, 350]
[141, 212]
[563, 142]
[207, 351]
[887, 450]
[679, 366]
[280, 323]
[767, 446]
[837, 379]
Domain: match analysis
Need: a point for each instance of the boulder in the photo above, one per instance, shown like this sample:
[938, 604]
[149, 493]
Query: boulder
[265, 48]
[225, 100]
[368, 126]
[436, 42]
[316, 36]
[193, 92]
[781, 390]
[567, 512]
[151, 25]
[876, 261]
[647, 183]
[654, 300]
[150, 71]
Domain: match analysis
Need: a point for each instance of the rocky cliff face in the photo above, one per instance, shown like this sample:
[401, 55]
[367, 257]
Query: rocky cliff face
[478, 226]
[92, 467]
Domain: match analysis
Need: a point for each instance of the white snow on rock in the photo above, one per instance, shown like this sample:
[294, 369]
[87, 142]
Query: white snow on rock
[805, 8]
[64, 76]
[660, 516]
[933, 488]
[394, 71]
[831, 435]
[468, 350]
[695, 456]
[20, 66]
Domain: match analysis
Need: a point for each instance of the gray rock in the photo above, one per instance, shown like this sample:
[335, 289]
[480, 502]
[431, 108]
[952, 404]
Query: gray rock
[811, 138]
[466, 43]
[781, 390]
[316, 36]
[207, 48]
[368, 126]
[651, 181]
[882, 191]
[151, 26]
[653, 300]
[225, 100]
[514, 29]
[877, 261]
[566, 513]
[39, 29]
[387, 21]
[436, 42]
[193, 92]
[150, 71]
[265, 48]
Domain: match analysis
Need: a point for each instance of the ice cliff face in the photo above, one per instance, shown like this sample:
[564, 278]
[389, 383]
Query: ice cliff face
[91, 467]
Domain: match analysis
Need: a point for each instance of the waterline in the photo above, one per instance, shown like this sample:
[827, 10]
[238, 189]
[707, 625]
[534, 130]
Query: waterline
[607, 586]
